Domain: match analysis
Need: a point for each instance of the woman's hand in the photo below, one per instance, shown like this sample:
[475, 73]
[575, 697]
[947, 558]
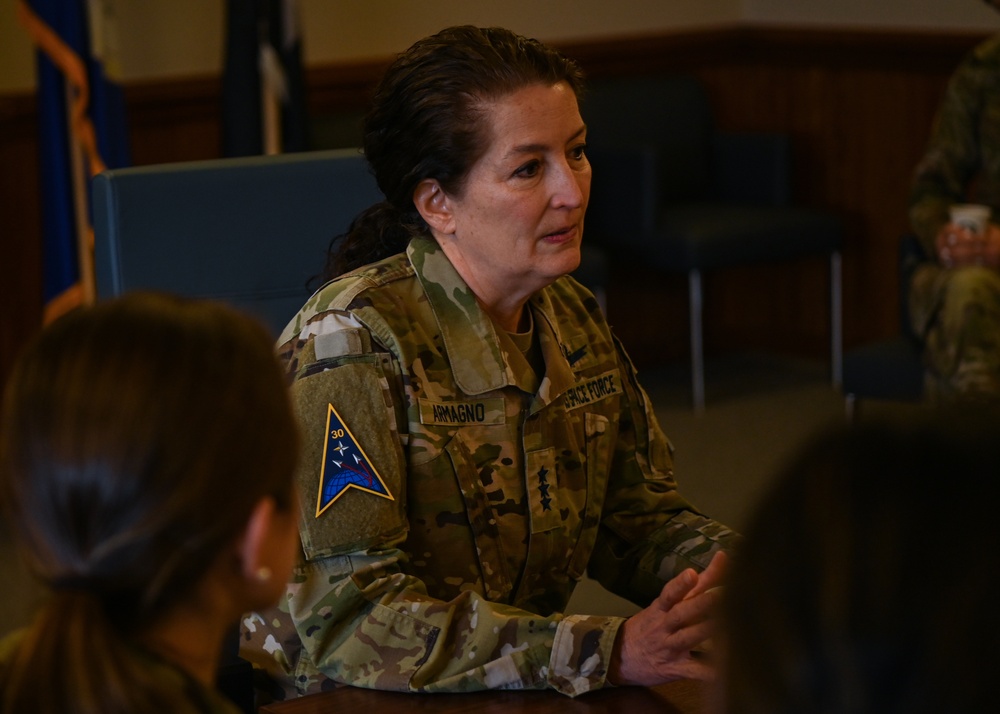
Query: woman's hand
[958, 247]
[655, 645]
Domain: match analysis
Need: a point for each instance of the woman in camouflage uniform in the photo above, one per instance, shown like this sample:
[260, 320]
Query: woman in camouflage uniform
[475, 437]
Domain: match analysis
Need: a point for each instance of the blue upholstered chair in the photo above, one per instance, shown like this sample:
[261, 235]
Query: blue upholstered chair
[675, 194]
[251, 231]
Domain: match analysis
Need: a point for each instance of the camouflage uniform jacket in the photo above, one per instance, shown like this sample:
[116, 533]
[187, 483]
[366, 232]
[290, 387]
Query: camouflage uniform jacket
[962, 162]
[441, 560]
[956, 311]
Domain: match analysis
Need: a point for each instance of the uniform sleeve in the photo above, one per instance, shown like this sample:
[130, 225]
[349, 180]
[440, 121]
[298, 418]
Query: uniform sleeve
[952, 156]
[364, 621]
[354, 613]
[649, 533]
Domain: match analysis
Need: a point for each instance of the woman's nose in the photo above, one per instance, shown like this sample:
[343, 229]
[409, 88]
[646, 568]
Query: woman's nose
[569, 187]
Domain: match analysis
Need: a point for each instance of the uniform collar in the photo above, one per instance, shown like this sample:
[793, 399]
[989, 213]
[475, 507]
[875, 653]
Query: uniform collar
[557, 341]
[470, 338]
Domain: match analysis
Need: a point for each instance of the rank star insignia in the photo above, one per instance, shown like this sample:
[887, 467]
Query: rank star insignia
[345, 465]
[575, 356]
[543, 489]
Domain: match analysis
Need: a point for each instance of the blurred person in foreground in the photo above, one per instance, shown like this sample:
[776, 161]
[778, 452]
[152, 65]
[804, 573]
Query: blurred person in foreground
[475, 437]
[146, 464]
[955, 295]
[867, 581]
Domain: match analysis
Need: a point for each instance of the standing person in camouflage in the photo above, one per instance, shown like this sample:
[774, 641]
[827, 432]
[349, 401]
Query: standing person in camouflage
[476, 439]
[955, 298]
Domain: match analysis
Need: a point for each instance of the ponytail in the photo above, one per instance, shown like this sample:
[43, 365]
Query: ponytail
[73, 660]
[376, 233]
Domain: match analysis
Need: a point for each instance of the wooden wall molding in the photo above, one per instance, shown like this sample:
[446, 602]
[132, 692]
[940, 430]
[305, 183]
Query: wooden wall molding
[858, 105]
[348, 85]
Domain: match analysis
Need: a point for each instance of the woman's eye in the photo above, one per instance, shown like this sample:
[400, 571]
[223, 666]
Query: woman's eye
[529, 170]
[579, 152]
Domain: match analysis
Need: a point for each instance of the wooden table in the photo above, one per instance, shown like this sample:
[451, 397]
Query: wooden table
[683, 697]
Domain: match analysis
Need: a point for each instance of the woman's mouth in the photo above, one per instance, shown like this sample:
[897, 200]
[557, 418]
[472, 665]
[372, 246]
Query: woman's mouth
[561, 235]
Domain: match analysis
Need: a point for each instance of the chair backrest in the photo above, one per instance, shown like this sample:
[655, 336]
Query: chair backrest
[250, 231]
[670, 114]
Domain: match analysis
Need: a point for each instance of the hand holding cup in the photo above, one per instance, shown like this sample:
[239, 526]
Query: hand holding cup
[969, 238]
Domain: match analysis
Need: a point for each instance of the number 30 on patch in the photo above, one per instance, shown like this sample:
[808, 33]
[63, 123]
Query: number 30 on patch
[345, 465]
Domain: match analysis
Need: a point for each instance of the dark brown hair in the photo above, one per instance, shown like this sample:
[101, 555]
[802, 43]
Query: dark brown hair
[868, 578]
[138, 436]
[427, 121]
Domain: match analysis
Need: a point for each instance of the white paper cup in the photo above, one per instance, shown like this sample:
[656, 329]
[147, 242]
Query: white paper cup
[971, 216]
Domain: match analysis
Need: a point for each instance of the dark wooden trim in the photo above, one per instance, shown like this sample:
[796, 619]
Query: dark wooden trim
[346, 86]
[853, 48]
[645, 54]
[351, 82]
[178, 98]
[843, 48]
[17, 107]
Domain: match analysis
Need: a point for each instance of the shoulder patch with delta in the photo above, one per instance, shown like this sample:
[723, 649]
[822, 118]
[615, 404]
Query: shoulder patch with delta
[345, 465]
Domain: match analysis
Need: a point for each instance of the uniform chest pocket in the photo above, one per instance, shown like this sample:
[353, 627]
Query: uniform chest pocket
[600, 441]
[462, 450]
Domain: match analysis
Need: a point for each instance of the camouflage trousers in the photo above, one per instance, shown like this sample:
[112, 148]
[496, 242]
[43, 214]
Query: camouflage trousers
[957, 313]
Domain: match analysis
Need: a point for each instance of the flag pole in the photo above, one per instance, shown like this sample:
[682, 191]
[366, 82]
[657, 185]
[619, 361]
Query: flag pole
[85, 159]
[84, 233]
[271, 113]
[272, 90]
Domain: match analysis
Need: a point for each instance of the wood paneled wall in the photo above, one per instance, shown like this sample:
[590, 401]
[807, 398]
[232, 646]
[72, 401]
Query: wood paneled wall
[20, 227]
[858, 106]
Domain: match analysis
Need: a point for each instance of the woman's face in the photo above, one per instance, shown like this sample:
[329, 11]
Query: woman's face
[517, 224]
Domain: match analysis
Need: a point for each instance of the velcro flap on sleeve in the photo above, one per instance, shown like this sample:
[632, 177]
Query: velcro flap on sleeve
[351, 474]
[342, 342]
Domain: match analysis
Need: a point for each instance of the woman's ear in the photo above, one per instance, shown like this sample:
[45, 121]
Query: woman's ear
[254, 550]
[434, 205]
[267, 551]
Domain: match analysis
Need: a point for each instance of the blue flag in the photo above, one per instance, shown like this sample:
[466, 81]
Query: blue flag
[75, 97]
[345, 465]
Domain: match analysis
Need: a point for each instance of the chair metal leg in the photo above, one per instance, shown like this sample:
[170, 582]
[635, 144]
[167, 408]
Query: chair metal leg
[836, 320]
[697, 357]
[851, 408]
[836, 331]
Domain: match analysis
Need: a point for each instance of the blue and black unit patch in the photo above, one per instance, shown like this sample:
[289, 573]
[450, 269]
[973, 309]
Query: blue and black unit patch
[345, 465]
